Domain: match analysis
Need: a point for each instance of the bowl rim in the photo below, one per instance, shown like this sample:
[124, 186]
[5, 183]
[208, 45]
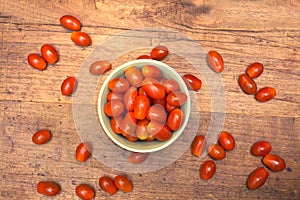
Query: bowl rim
[142, 62]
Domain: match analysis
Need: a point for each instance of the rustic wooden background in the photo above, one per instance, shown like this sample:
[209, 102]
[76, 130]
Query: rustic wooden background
[243, 31]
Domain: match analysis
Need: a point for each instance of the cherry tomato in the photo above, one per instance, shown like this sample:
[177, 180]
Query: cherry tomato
[100, 67]
[207, 170]
[192, 82]
[115, 124]
[41, 137]
[261, 148]
[154, 127]
[83, 151]
[123, 183]
[68, 86]
[141, 130]
[216, 152]
[114, 108]
[247, 84]
[215, 61]
[161, 102]
[118, 85]
[198, 145]
[175, 119]
[226, 140]
[274, 162]
[255, 70]
[134, 76]
[151, 71]
[157, 112]
[108, 185]
[155, 90]
[114, 96]
[159, 52]
[49, 53]
[144, 57]
[36, 61]
[265, 94]
[170, 85]
[129, 124]
[136, 158]
[170, 107]
[257, 178]
[141, 107]
[81, 39]
[85, 192]
[176, 98]
[70, 22]
[129, 98]
[164, 134]
[48, 188]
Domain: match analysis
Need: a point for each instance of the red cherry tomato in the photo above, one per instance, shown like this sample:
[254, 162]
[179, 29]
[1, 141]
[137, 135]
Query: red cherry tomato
[68, 86]
[226, 140]
[136, 158]
[198, 145]
[155, 90]
[114, 108]
[85, 192]
[114, 96]
[215, 61]
[151, 71]
[175, 119]
[70, 22]
[154, 127]
[48, 188]
[115, 124]
[134, 76]
[141, 130]
[170, 85]
[216, 152]
[81, 39]
[274, 162]
[207, 170]
[257, 178]
[255, 70]
[170, 107]
[129, 124]
[118, 85]
[158, 113]
[192, 82]
[164, 134]
[141, 107]
[247, 84]
[123, 183]
[176, 98]
[265, 94]
[144, 57]
[99, 67]
[261, 148]
[49, 53]
[159, 52]
[129, 98]
[108, 185]
[83, 151]
[41, 137]
[36, 61]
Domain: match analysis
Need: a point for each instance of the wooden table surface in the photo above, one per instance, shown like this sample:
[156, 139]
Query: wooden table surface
[267, 31]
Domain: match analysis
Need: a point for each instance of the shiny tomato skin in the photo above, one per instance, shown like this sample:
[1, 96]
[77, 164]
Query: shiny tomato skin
[137, 158]
[115, 124]
[83, 151]
[123, 183]
[261, 148]
[128, 124]
[114, 108]
[48, 188]
[207, 170]
[85, 192]
[198, 145]
[215, 61]
[226, 140]
[154, 127]
[265, 94]
[118, 85]
[70, 22]
[216, 152]
[36, 61]
[155, 90]
[257, 178]
[99, 67]
[175, 119]
[130, 97]
[114, 96]
[141, 107]
[141, 130]
[68, 86]
[108, 185]
[41, 137]
[159, 52]
[247, 84]
[255, 70]
[49, 53]
[151, 71]
[176, 98]
[134, 76]
[170, 85]
[192, 82]
[144, 57]
[274, 162]
[157, 112]
[81, 39]
[164, 134]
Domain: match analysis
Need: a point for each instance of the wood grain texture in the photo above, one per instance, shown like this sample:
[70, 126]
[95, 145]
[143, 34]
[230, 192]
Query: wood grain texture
[244, 31]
